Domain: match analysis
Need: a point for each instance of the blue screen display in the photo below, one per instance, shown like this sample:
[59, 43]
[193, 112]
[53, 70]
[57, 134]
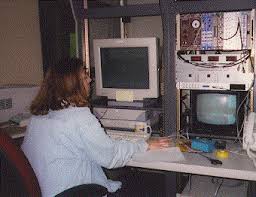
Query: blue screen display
[216, 109]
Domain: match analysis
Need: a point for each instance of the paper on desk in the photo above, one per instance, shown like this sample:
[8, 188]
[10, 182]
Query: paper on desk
[164, 155]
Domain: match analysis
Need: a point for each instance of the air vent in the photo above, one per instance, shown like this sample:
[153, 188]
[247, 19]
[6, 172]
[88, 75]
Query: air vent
[5, 103]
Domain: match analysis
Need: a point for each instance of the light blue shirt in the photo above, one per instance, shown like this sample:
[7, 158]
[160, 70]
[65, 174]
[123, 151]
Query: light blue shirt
[68, 147]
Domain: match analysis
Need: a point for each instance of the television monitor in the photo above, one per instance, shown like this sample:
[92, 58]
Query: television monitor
[127, 65]
[215, 114]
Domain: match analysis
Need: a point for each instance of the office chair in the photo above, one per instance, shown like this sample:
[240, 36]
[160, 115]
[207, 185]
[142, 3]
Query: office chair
[18, 177]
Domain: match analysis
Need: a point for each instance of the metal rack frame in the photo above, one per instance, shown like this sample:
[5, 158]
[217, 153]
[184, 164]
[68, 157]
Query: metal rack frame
[167, 9]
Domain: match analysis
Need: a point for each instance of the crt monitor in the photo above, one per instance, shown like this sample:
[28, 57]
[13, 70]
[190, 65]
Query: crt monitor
[215, 114]
[126, 65]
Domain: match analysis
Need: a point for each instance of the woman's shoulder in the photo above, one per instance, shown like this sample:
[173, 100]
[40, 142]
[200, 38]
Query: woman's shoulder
[71, 113]
[69, 110]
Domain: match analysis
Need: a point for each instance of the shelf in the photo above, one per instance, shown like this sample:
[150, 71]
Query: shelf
[152, 9]
[183, 7]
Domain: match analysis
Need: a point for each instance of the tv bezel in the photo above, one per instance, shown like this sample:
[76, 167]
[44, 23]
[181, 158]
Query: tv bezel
[200, 129]
[138, 94]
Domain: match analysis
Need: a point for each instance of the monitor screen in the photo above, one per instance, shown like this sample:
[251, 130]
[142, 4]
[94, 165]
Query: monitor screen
[216, 109]
[215, 114]
[125, 67]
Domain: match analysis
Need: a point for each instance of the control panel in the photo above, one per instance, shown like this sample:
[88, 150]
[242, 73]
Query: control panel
[215, 51]
[220, 30]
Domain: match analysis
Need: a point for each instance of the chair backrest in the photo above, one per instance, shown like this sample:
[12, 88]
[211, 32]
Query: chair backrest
[19, 165]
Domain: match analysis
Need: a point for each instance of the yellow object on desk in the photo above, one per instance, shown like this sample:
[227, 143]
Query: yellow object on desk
[222, 154]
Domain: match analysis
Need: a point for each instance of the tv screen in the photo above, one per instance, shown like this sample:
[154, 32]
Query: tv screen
[216, 109]
[215, 114]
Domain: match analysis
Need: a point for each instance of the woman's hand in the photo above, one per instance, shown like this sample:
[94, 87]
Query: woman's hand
[158, 143]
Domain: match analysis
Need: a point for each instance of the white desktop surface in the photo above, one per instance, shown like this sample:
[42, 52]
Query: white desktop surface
[236, 166]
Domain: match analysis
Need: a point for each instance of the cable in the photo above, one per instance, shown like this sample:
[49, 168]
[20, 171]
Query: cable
[251, 63]
[252, 154]
[220, 182]
[218, 188]
[238, 109]
[186, 106]
[237, 28]
[246, 55]
[240, 131]
[234, 152]
[240, 32]
[242, 126]
[103, 113]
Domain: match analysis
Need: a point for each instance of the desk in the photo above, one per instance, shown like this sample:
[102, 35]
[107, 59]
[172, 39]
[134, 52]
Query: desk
[235, 167]
[14, 131]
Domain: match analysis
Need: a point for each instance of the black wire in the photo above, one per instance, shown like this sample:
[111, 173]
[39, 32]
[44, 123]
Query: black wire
[103, 113]
[186, 106]
[237, 28]
[215, 180]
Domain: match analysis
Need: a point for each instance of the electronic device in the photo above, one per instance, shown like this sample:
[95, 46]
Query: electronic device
[126, 124]
[217, 114]
[215, 31]
[125, 118]
[249, 136]
[15, 99]
[190, 31]
[127, 135]
[204, 145]
[126, 69]
[214, 70]
[122, 114]
[213, 51]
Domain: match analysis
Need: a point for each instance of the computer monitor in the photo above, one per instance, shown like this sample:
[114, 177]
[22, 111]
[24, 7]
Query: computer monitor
[127, 65]
[217, 114]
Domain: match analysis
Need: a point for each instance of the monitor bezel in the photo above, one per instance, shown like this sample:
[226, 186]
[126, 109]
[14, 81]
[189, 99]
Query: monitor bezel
[138, 94]
[201, 129]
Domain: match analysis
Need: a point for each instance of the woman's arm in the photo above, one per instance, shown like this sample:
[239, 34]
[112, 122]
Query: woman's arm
[107, 152]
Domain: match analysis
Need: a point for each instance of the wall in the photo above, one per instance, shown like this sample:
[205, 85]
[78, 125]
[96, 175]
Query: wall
[20, 48]
[148, 26]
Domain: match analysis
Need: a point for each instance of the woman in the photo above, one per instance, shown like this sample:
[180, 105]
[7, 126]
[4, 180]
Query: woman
[64, 142]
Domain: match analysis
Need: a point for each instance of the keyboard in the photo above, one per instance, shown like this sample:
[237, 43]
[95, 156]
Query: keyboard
[127, 135]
